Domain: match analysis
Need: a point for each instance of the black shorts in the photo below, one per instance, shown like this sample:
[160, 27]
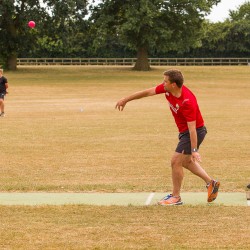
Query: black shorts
[184, 145]
[2, 94]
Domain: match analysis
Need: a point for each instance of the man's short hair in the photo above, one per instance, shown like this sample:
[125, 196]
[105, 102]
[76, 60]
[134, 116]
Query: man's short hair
[176, 76]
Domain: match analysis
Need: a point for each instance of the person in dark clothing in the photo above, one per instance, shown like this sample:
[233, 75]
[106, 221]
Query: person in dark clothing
[3, 91]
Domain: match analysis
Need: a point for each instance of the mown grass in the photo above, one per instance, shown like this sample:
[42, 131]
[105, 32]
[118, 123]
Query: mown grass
[87, 227]
[62, 133]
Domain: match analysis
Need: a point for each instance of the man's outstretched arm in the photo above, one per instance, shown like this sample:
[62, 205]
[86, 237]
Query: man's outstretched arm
[137, 95]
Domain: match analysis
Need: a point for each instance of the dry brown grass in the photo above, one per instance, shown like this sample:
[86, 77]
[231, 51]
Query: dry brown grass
[85, 227]
[47, 144]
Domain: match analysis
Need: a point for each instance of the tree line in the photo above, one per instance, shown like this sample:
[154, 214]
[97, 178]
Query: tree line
[120, 28]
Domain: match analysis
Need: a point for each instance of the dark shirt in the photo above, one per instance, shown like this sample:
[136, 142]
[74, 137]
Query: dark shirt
[3, 80]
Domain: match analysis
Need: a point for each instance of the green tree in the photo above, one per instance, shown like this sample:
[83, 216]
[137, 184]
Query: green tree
[238, 37]
[146, 25]
[213, 41]
[230, 38]
[54, 19]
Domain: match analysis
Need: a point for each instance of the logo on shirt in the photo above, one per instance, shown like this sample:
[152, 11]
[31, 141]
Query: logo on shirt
[174, 108]
[186, 100]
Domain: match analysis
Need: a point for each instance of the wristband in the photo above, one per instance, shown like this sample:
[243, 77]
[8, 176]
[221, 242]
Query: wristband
[194, 150]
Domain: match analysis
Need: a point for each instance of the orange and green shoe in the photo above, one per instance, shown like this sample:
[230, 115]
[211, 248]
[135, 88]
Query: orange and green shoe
[212, 190]
[170, 200]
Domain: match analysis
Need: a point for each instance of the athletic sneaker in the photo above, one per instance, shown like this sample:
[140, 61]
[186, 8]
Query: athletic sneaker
[212, 190]
[2, 114]
[170, 200]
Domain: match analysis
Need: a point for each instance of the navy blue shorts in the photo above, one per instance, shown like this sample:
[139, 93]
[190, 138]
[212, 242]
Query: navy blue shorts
[184, 145]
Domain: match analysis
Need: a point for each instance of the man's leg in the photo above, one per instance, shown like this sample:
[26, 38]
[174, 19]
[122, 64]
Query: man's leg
[195, 168]
[1, 105]
[177, 173]
[177, 177]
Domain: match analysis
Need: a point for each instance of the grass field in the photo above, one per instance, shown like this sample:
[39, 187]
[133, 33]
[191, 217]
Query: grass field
[62, 133]
[84, 227]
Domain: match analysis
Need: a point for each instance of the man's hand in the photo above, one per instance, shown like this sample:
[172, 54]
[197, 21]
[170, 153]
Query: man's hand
[196, 156]
[121, 104]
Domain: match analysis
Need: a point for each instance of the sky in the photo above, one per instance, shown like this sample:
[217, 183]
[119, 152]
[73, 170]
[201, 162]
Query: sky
[220, 12]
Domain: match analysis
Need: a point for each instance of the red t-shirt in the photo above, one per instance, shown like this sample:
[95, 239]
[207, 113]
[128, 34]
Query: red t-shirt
[184, 109]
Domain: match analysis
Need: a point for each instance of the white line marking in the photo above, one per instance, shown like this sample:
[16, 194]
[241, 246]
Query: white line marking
[149, 199]
[248, 202]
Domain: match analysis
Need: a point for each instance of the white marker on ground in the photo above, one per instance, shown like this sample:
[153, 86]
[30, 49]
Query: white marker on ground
[149, 199]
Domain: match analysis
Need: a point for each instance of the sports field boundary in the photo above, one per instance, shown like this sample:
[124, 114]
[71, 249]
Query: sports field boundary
[119, 199]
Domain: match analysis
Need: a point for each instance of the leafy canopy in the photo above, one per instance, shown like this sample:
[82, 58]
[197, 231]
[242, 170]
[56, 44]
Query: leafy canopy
[152, 24]
[54, 19]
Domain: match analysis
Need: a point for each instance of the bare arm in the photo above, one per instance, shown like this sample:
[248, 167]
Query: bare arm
[6, 86]
[137, 95]
[193, 139]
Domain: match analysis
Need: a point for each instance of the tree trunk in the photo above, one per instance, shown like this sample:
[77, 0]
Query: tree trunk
[12, 62]
[142, 63]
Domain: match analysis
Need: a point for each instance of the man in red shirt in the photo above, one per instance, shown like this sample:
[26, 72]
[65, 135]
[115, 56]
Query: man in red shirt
[188, 118]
